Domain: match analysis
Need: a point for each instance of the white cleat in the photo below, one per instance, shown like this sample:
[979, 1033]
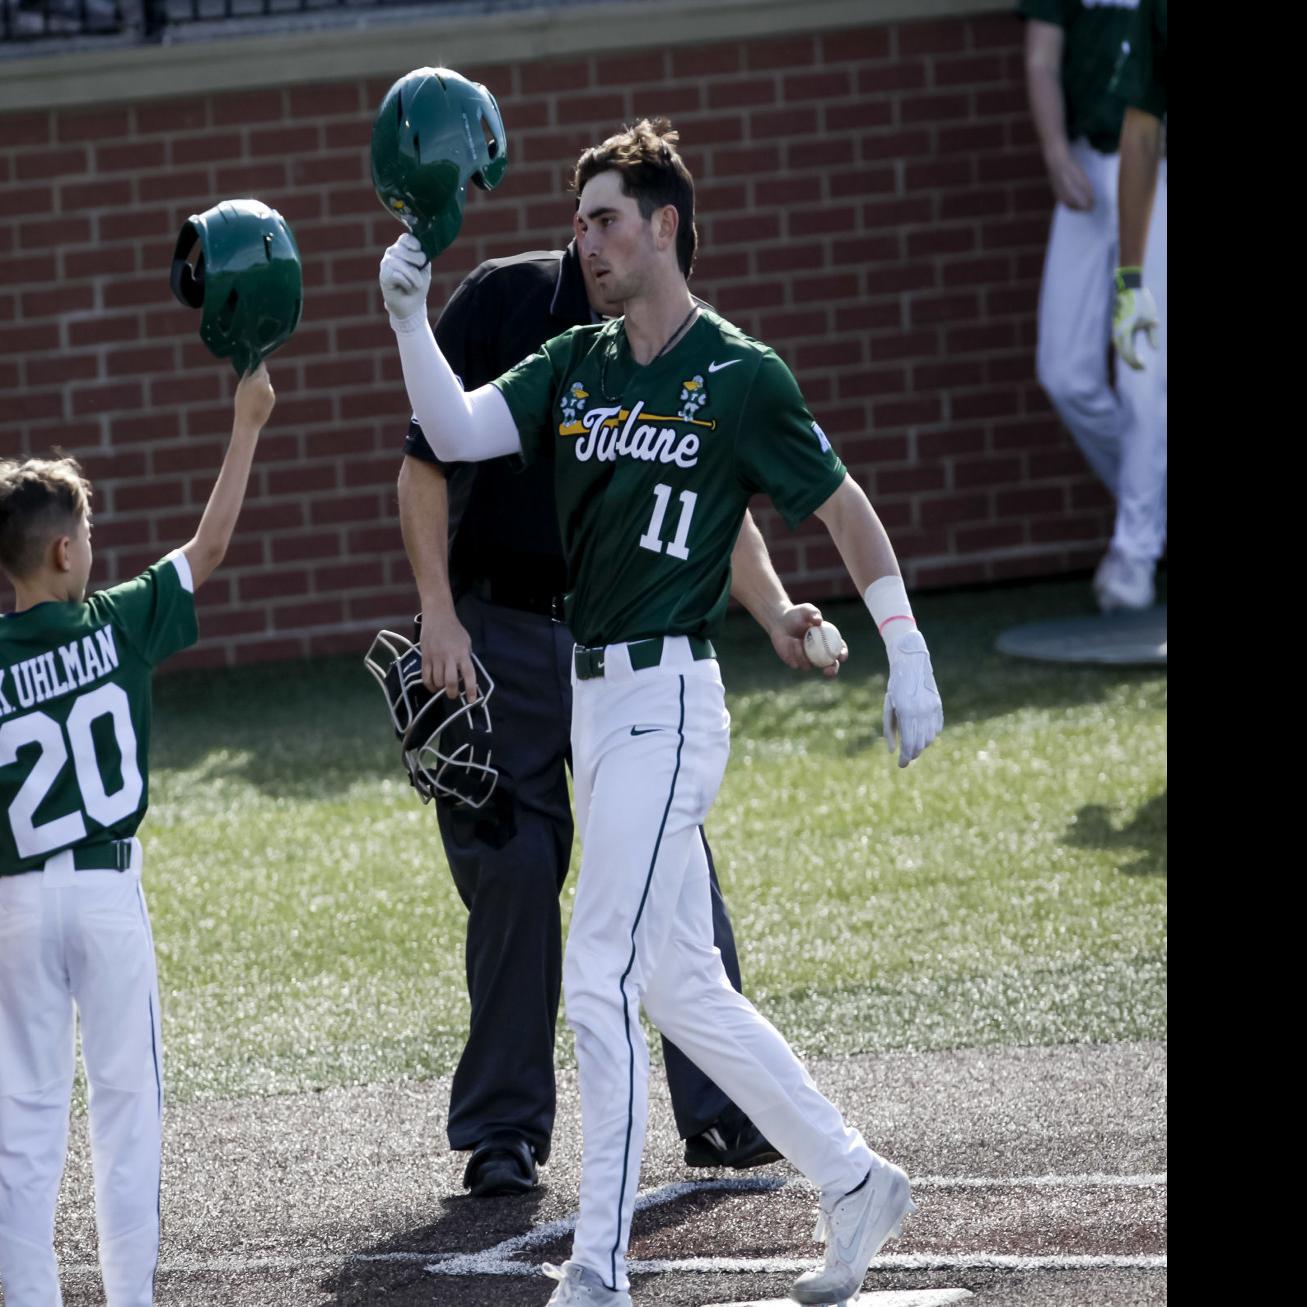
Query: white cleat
[1123, 583]
[579, 1286]
[855, 1228]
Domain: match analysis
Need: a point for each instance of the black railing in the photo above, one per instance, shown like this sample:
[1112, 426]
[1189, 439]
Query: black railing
[37, 20]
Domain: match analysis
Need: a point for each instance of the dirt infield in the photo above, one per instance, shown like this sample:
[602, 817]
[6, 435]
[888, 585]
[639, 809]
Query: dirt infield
[1040, 1174]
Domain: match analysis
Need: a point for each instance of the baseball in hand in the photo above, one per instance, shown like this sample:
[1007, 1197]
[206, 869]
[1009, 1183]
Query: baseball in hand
[822, 644]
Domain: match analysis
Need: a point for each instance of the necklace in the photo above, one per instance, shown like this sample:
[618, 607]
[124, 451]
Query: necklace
[671, 340]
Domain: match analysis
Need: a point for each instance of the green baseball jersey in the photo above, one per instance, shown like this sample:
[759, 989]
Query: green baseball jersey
[1094, 33]
[654, 467]
[1141, 77]
[75, 712]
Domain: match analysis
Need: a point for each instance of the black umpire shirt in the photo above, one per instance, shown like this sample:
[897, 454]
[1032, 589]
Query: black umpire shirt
[504, 542]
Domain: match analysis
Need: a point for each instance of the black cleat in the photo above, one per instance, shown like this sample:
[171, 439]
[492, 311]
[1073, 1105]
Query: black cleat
[731, 1141]
[502, 1166]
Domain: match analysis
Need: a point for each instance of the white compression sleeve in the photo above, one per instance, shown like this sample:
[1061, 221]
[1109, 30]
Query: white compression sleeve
[460, 426]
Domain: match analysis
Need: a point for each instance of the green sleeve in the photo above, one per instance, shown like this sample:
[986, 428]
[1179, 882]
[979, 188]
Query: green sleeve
[529, 390]
[1141, 79]
[1045, 11]
[156, 611]
[780, 450]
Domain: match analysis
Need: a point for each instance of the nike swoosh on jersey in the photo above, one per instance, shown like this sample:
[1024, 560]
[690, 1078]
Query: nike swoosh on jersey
[648, 730]
[717, 367]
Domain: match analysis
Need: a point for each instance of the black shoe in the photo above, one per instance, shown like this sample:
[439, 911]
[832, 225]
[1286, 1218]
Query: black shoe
[732, 1141]
[501, 1166]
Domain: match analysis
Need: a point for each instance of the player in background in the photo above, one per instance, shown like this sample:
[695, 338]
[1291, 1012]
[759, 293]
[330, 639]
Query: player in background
[484, 544]
[661, 425]
[74, 786]
[1141, 83]
[1072, 52]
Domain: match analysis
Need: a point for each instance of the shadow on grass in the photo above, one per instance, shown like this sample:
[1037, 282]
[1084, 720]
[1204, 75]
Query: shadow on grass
[1144, 833]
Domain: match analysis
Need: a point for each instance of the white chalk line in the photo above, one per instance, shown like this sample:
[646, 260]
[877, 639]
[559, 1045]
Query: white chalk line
[497, 1259]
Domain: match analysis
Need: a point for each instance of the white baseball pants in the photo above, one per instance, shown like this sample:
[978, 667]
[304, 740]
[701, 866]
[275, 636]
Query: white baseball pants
[1121, 431]
[78, 939]
[649, 749]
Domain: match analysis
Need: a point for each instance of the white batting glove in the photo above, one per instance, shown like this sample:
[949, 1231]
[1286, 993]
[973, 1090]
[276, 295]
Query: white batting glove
[405, 279]
[1133, 312]
[913, 707]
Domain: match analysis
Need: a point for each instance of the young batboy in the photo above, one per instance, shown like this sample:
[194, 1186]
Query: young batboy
[74, 784]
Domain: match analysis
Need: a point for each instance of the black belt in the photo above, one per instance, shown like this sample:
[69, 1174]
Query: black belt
[114, 856]
[589, 660]
[524, 598]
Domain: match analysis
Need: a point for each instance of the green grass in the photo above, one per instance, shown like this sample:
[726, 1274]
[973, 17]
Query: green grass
[1007, 888]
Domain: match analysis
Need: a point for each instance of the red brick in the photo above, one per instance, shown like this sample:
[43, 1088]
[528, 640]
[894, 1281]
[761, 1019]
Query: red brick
[28, 338]
[979, 339]
[935, 576]
[351, 199]
[111, 397]
[283, 142]
[140, 427]
[821, 222]
[319, 545]
[872, 381]
[94, 195]
[100, 124]
[781, 52]
[973, 138]
[27, 199]
[193, 455]
[27, 129]
[1016, 231]
[32, 406]
[856, 43]
[666, 101]
[319, 612]
[895, 145]
[909, 480]
[986, 472]
[1059, 529]
[791, 325]
[171, 116]
[829, 84]
[974, 203]
[329, 100]
[734, 94]
[757, 227]
[174, 185]
[875, 316]
[349, 135]
[355, 507]
[840, 286]
[908, 412]
[552, 77]
[889, 79]
[707, 61]
[774, 124]
[897, 213]
[877, 247]
[64, 162]
[934, 108]
[845, 183]
[950, 441]
[274, 585]
[945, 509]
[617, 68]
[1010, 99]
[748, 295]
[1019, 165]
[893, 278]
[1002, 30]
[600, 107]
[131, 225]
[939, 37]
[746, 162]
[362, 575]
[100, 329]
[50, 302]
[970, 70]
[905, 345]
[126, 292]
[721, 265]
[239, 107]
[137, 496]
[28, 270]
[858, 116]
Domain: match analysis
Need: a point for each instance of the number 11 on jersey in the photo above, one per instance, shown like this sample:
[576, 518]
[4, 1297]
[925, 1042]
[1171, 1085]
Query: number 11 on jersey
[652, 538]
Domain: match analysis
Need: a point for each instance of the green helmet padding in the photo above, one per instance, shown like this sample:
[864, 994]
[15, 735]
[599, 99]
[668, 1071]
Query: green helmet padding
[435, 132]
[247, 279]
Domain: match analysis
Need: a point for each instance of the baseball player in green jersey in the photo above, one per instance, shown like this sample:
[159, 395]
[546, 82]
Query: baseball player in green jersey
[661, 424]
[1073, 48]
[1141, 83]
[74, 785]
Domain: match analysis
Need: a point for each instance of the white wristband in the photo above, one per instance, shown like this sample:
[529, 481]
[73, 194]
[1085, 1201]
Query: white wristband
[887, 601]
[407, 326]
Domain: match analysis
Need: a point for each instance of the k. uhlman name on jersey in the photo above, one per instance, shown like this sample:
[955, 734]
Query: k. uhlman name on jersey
[604, 441]
[55, 672]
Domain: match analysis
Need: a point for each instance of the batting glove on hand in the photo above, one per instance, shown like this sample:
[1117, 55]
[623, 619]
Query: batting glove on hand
[405, 278]
[913, 707]
[1133, 312]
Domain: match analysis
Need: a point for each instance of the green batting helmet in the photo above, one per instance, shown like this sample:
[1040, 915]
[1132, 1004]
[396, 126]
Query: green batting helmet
[246, 279]
[434, 132]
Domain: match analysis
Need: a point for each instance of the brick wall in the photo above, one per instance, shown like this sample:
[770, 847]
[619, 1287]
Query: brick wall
[871, 204]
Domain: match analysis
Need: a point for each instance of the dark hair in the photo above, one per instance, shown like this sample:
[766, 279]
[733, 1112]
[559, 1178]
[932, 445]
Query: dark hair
[40, 499]
[653, 174]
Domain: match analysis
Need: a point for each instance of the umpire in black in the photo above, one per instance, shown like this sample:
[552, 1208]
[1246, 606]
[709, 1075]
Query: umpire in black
[484, 544]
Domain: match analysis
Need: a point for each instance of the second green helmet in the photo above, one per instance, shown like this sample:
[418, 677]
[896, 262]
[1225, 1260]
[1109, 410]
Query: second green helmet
[435, 132]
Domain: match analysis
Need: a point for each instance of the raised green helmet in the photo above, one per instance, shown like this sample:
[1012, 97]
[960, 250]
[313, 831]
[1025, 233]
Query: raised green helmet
[247, 279]
[435, 132]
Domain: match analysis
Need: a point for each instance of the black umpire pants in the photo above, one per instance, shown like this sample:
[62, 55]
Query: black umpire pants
[510, 879]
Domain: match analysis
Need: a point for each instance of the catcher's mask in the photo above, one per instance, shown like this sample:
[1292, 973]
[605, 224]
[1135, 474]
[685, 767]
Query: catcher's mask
[445, 742]
[247, 279]
[435, 132]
